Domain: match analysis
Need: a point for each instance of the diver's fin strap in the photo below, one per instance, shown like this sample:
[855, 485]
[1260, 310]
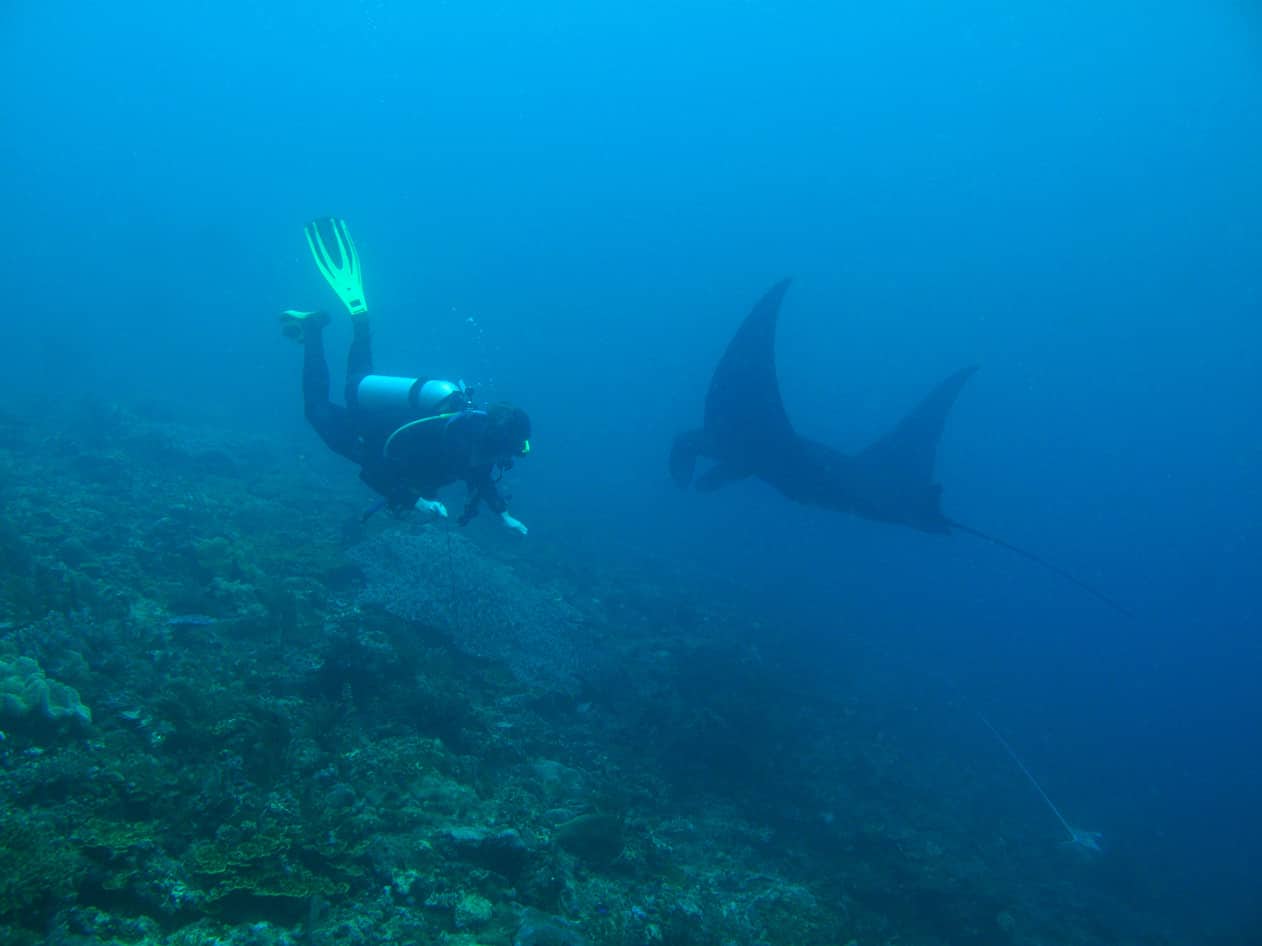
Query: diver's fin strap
[340, 271]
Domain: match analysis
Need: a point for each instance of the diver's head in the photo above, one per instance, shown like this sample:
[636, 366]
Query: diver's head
[507, 434]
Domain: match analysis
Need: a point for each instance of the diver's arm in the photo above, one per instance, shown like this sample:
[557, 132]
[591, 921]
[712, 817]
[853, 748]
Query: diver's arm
[482, 489]
[400, 496]
[396, 493]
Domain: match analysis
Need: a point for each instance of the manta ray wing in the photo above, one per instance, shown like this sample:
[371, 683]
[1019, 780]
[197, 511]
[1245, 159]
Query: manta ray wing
[745, 418]
[908, 452]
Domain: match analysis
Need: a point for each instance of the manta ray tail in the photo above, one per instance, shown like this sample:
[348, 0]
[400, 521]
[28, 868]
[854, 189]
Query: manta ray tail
[1054, 569]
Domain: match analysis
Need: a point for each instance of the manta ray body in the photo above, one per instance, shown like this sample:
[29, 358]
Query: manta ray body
[746, 433]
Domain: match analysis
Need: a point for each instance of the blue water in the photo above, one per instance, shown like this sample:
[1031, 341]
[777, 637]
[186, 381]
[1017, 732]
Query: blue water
[573, 204]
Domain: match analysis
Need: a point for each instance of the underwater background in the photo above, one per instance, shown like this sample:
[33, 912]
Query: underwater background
[663, 716]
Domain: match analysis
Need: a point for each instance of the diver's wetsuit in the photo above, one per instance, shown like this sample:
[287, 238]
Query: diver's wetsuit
[438, 453]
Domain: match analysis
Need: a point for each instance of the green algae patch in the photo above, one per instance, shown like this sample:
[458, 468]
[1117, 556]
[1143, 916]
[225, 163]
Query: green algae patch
[115, 837]
[260, 865]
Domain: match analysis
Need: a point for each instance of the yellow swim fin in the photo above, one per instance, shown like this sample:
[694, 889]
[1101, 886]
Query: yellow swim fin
[294, 322]
[341, 269]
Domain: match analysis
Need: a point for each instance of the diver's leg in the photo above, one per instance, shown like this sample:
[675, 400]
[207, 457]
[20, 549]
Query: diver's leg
[315, 369]
[359, 361]
[331, 421]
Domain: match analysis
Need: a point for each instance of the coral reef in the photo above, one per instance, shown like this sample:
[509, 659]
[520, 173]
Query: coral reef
[307, 730]
[442, 580]
[25, 692]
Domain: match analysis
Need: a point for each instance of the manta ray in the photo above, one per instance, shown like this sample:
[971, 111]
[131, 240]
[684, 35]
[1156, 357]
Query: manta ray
[746, 432]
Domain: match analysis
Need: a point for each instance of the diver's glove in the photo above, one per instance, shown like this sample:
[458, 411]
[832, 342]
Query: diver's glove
[515, 524]
[432, 506]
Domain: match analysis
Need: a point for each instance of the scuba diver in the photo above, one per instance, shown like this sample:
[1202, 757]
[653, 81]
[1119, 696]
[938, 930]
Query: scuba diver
[410, 436]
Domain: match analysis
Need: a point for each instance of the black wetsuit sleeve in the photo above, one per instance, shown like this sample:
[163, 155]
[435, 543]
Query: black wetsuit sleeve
[387, 482]
[481, 484]
[482, 489]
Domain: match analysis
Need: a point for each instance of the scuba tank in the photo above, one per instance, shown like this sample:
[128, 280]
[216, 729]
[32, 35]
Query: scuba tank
[400, 410]
[379, 394]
